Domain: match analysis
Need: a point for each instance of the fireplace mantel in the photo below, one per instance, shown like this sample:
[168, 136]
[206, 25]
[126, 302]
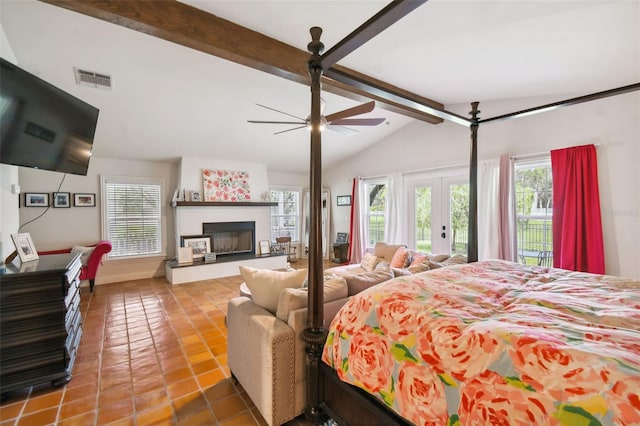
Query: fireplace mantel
[225, 204]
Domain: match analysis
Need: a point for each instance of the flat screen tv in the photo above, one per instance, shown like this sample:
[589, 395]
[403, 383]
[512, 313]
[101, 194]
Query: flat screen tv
[42, 126]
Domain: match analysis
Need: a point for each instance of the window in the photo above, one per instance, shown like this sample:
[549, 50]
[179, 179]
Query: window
[375, 194]
[285, 217]
[534, 205]
[132, 216]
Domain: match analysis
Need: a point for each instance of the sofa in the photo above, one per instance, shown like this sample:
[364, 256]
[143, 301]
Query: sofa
[265, 349]
[389, 261]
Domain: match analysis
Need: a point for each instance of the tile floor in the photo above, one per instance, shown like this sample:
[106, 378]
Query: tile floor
[150, 354]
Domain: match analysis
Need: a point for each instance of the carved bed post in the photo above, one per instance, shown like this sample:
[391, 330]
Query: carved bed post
[472, 237]
[314, 335]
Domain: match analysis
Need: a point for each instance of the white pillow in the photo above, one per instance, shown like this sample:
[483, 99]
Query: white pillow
[85, 253]
[369, 261]
[266, 285]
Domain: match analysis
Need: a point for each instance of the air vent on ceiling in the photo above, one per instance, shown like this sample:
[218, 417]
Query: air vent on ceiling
[92, 79]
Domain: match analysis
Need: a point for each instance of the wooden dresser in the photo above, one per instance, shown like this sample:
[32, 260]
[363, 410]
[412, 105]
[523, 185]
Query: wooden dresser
[40, 321]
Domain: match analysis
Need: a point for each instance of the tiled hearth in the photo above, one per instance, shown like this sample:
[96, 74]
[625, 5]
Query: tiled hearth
[151, 354]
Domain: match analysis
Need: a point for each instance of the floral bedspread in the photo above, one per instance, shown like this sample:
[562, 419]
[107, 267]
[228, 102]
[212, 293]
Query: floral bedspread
[495, 343]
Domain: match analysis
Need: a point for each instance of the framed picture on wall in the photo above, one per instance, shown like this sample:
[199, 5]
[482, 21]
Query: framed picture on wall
[36, 199]
[62, 199]
[344, 200]
[84, 200]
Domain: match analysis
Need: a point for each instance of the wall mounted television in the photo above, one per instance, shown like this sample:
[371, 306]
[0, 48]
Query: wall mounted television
[42, 126]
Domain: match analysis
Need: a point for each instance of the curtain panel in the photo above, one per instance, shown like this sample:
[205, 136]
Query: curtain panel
[577, 223]
[357, 243]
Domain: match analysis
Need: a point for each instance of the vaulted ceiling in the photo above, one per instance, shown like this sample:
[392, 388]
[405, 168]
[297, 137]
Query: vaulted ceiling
[187, 75]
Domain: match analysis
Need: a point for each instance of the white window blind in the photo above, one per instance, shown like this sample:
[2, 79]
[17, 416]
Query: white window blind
[132, 217]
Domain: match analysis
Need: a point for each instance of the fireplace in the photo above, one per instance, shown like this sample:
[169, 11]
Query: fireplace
[231, 238]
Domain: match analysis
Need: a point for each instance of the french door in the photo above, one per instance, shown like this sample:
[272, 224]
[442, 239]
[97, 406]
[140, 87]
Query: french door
[439, 214]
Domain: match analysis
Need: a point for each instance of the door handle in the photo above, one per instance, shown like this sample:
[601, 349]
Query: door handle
[444, 234]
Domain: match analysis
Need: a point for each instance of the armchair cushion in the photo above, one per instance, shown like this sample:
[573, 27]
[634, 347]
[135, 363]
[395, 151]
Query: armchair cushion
[358, 282]
[266, 285]
[290, 299]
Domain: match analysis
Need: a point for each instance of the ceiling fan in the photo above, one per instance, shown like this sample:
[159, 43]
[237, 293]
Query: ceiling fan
[336, 121]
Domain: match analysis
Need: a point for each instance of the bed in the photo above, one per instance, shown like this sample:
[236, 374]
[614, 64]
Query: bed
[494, 342]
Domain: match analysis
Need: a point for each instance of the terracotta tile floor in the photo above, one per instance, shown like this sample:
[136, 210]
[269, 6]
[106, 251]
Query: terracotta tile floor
[150, 354]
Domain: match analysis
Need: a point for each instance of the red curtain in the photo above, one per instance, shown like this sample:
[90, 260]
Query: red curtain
[577, 224]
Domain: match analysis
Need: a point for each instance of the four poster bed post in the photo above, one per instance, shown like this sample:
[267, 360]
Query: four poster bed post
[314, 335]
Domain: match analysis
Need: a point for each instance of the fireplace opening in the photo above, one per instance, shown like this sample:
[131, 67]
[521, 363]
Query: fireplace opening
[230, 238]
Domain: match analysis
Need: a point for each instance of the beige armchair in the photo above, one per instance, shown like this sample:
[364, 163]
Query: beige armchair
[266, 352]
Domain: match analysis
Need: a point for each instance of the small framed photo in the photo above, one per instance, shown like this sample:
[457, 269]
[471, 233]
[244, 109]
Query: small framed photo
[36, 199]
[265, 247]
[62, 199]
[200, 244]
[344, 200]
[25, 247]
[84, 200]
[195, 196]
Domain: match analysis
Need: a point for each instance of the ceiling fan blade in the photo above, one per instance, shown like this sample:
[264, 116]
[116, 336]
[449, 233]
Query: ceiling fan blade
[276, 122]
[358, 122]
[288, 130]
[350, 112]
[281, 112]
[342, 129]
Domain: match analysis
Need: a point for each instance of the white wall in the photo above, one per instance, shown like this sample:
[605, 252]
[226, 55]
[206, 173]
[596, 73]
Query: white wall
[612, 123]
[191, 174]
[9, 212]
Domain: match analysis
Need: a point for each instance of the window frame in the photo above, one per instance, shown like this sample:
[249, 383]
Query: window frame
[367, 214]
[546, 246]
[298, 215]
[111, 179]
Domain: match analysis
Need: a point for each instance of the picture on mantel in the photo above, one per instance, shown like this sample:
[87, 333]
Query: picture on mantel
[225, 185]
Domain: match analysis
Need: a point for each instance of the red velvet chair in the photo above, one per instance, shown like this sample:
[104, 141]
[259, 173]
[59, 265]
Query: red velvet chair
[89, 270]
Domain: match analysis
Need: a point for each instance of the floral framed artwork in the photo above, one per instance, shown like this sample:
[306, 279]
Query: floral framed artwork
[84, 200]
[25, 247]
[200, 244]
[36, 199]
[61, 199]
[225, 185]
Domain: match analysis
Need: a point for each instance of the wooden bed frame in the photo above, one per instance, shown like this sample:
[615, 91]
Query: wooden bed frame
[326, 394]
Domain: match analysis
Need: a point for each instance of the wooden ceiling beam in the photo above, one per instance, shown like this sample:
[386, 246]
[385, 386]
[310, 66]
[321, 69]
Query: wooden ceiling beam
[194, 28]
[382, 20]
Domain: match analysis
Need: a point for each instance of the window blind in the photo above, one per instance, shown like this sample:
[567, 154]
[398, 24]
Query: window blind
[133, 218]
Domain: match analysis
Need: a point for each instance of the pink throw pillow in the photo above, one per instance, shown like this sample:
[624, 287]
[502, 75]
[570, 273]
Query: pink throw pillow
[400, 258]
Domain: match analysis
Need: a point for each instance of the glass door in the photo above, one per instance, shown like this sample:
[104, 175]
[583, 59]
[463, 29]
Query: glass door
[440, 211]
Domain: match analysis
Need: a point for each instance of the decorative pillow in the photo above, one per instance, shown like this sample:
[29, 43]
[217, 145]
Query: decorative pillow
[85, 252]
[386, 251]
[418, 258]
[368, 262]
[358, 282]
[456, 259]
[400, 259]
[290, 299]
[266, 285]
[420, 267]
[400, 272]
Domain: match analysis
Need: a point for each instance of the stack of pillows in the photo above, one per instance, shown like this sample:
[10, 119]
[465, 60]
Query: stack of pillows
[388, 261]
